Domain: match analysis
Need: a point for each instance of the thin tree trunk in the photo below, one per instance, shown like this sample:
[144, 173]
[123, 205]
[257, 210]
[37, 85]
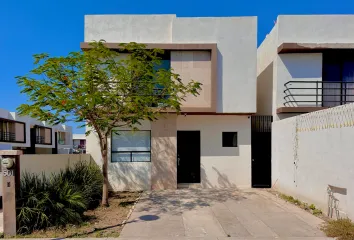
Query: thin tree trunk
[105, 174]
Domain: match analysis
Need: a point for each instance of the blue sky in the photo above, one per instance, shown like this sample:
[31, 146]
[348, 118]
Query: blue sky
[57, 27]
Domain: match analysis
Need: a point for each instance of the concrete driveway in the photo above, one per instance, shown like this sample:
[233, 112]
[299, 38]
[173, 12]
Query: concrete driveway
[218, 214]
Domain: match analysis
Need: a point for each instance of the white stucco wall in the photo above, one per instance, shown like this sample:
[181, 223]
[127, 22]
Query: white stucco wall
[267, 51]
[235, 37]
[50, 163]
[315, 29]
[265, 91]
[77, 136]
[323, 152]
[220, 166]
[129, 28]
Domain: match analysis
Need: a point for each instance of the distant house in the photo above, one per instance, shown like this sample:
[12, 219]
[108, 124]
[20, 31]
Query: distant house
[79, 142]
[33, 136]
[305, 64]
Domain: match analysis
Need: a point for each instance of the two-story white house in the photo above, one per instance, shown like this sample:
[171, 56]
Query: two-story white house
[30, 135]
[306, 63]
[209, 144]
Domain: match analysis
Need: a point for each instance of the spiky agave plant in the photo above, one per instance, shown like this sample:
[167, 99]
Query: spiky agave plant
[33, 203]
[59, 199]
[88, 178]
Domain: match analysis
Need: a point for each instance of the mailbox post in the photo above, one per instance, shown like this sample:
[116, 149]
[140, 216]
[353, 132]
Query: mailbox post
[10, 160]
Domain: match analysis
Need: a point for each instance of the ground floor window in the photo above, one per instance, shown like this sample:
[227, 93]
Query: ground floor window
[229, 139]
[131, 146]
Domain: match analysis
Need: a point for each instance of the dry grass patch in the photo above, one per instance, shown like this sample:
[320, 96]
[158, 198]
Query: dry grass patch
[341, 229]
[99, 223]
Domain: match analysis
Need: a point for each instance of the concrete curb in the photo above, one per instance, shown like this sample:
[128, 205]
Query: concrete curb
[131, 210]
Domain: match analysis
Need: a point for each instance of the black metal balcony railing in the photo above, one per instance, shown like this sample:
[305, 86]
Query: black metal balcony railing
[7, 137]
[39, 140]
[318, 93]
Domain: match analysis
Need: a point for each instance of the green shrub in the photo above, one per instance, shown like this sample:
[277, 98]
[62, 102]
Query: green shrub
[89, 180]
[312, 207]
[59, 199]
[303, 205]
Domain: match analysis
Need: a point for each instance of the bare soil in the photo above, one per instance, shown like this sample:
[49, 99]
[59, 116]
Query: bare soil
[100, 222]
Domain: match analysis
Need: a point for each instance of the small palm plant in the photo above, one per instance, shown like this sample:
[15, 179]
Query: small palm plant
[59, 199]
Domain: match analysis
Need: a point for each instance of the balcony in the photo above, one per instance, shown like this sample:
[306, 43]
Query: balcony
[308, 96]
[7, 137]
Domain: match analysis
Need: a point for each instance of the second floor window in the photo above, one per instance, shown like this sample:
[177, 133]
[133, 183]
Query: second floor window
[61, 138]
[338, 77]
[7, 131]
[43, 135]
[12, 131]
[165, 64]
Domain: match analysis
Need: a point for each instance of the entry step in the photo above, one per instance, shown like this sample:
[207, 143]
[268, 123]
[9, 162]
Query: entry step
[188, 185]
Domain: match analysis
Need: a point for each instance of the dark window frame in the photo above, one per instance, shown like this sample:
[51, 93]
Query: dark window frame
[51, 133]
[131, 152]
[336, 57]
[13, 121]
[223, 137]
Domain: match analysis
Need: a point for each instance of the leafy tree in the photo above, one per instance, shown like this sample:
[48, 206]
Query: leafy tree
[104, 89]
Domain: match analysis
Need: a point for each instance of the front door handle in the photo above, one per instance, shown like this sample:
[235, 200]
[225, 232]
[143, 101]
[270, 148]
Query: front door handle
[178, 161]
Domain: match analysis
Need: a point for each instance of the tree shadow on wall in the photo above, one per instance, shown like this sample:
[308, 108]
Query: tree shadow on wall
[164, 165]
[222, 179]
[129, 175]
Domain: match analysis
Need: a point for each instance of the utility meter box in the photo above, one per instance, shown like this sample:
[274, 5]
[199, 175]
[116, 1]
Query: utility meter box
[8, 163]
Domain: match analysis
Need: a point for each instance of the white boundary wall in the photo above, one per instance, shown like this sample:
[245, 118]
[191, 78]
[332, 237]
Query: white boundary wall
[48, 163]
[313, 154]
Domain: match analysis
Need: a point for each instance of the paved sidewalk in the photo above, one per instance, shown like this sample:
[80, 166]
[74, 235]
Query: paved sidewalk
[218, 214]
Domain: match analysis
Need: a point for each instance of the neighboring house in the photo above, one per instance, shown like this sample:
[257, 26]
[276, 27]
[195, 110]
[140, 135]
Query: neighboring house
[306, 63]
[79, 142]
[28, 134]
[209, 144]
[64, 139]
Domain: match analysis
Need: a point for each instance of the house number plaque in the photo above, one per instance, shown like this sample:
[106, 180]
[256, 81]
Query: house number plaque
[8, 172]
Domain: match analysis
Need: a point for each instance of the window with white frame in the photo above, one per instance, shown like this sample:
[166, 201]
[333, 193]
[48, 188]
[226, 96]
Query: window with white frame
[131, 146]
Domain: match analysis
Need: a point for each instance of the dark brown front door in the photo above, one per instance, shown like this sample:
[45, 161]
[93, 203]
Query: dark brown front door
[261, 143]
[188, 156]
